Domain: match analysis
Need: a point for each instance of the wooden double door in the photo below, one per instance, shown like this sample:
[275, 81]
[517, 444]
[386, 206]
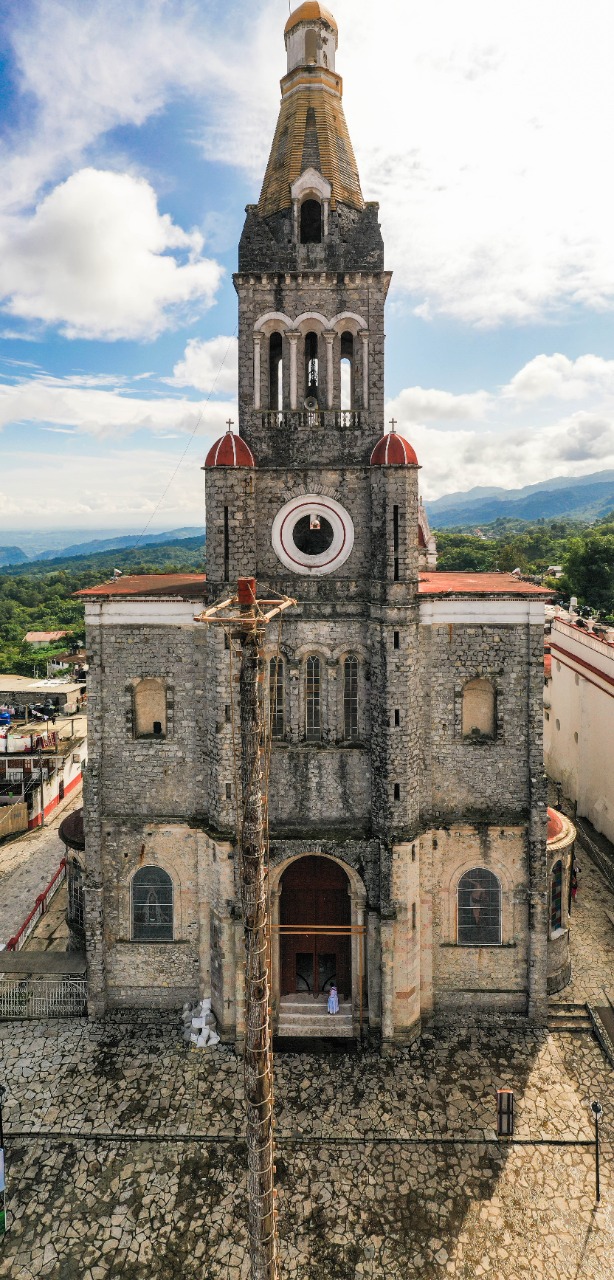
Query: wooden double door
[315, 893]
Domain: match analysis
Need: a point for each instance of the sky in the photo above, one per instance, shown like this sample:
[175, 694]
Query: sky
[134, 134]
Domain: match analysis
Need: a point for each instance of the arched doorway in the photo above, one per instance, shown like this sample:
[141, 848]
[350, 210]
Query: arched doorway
[315, 892]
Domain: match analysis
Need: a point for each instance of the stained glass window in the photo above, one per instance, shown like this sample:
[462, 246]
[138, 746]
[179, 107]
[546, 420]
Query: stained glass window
[479, 908]
[152, 905]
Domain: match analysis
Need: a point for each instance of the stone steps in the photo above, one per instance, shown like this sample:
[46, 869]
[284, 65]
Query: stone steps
[572, 1018]
[305, 1016]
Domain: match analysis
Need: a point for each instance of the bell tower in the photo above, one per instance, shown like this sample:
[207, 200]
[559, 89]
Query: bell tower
[314, 497]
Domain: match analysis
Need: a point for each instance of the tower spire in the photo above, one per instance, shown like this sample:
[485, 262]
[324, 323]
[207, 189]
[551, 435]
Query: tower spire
[311, 132]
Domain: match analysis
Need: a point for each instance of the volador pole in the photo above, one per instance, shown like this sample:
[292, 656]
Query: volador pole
[247, 618]
[258, 1066]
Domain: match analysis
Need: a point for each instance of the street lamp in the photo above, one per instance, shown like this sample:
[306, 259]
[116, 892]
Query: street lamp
[597, 1111]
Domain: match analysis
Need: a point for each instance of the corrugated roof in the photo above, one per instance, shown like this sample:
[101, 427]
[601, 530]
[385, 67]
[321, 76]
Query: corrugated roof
[186, 586]
[44, 637]
[479, 584]
[311, 123]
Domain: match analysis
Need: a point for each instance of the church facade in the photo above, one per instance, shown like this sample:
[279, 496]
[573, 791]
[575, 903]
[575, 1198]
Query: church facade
[406, 794]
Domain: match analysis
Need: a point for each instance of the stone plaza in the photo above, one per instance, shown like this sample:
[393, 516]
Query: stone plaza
[125, 1152]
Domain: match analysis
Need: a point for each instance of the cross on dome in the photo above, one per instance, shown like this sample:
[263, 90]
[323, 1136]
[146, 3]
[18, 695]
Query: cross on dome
[393, 424]
[230, 424]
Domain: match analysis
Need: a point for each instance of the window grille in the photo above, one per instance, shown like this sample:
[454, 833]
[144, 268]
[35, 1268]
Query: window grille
[350, 698]
[313, 716]
[76, 895]
[556, 897]
[276, 697]
[479, 908]
[152, 905]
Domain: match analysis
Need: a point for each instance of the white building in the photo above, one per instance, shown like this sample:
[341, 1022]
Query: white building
[579, 720]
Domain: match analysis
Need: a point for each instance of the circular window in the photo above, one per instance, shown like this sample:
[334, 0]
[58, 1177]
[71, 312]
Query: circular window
[312, 534]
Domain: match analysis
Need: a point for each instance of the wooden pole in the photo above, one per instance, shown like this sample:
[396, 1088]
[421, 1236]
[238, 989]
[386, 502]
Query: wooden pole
[258, 1066]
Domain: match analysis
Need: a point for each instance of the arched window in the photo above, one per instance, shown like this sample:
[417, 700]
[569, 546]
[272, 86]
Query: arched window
[149, 708]
[311, 45]
[276, 697]
[275, 372]
[478, 713]
[556, 897]
[152, 905]
[350, 698]
[313, 716]
[347, 371]
[311, 222]
[311, 365]
[479, 908]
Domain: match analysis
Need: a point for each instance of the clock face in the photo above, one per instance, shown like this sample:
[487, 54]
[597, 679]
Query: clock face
[312, 534]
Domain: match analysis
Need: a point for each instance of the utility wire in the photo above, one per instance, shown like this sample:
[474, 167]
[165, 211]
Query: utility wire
[198, 422]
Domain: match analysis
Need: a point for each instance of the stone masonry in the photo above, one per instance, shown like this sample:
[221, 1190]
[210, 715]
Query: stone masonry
[373, 763]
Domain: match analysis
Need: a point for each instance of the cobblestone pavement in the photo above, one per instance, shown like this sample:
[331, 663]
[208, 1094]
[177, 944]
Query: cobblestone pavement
[26, 867]
[125, 1155]
[592, 936]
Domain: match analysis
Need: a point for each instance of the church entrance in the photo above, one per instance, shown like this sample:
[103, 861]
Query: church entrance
[315, 894]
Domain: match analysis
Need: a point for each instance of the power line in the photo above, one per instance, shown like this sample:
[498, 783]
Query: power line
[156, 508]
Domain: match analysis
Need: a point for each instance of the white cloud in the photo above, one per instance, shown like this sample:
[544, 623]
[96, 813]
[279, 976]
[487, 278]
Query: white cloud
[421, 404]
[210, 365]
[99, 260]
[101, 412]
[485, 147]
[508, 439]
[110, 489]
[559, 377]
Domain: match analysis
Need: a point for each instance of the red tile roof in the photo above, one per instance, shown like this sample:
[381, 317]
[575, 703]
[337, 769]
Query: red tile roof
[393, 451]
[479, 584]
[547, 666]
[187, 586]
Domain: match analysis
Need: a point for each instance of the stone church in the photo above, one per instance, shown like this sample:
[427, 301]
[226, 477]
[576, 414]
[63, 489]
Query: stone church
[406, 796]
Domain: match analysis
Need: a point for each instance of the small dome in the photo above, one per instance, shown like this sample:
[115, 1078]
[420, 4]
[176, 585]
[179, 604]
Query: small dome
[229, 451]
[310, 11]
[393, 451]
[555, 824]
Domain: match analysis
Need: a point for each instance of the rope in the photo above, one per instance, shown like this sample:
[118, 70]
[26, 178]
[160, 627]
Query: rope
[190, 439]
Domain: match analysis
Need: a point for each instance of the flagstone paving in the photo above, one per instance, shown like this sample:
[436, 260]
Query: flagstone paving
[125, 1155]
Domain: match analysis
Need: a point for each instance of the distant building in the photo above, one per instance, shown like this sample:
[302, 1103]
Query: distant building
[39, 639]
[27, 692]
[579, 719]
[42, 767]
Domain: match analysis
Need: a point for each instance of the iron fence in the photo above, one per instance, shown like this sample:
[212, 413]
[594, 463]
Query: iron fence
[42, 997]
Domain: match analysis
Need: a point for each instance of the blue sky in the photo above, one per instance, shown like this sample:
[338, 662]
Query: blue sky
[133, 135]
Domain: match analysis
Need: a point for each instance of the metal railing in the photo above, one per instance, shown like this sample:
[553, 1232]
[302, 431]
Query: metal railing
[43, 997]
[312, 418]
[40, 906]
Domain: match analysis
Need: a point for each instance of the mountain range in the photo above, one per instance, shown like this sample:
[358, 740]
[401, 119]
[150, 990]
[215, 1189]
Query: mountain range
[582, 498]
[64, 548]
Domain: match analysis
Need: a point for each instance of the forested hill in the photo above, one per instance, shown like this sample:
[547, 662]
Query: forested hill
[39, 597]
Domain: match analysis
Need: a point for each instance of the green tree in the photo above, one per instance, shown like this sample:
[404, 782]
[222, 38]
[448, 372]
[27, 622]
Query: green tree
[589, 571]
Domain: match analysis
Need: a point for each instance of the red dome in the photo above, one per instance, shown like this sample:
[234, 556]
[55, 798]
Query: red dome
[229, 451]
[555, 824]
[393, 451]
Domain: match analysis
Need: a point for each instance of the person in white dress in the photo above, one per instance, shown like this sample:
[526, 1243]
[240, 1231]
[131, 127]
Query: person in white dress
[333, 1000]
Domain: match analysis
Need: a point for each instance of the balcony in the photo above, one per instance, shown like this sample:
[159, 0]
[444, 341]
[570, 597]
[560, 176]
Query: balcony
[313, 419]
